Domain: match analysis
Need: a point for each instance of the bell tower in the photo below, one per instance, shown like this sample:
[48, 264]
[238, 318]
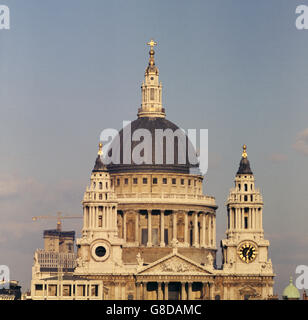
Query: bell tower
[99, 249]
[151, 89]
[245, 250]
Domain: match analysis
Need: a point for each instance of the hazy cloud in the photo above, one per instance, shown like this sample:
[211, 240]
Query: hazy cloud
[12, 185]
[215, 160]
[301, 143]
[278, 157]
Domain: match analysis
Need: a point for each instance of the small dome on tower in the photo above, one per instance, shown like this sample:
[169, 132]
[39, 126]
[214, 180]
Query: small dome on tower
[244, 167]
[291, 292]
[99, 165]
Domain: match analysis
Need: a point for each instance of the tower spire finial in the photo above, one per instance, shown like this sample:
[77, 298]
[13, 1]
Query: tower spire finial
[244, 154]
[152, 43]
[100, 149]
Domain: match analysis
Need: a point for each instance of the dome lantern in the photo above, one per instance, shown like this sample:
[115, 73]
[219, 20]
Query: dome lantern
[151, 89]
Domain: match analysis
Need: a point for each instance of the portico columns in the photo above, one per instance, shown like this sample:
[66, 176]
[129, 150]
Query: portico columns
[160, 293]
[138, 291]
[142, 291]
[204, 291]
[166, 291]
[189, 292]
[183, 293]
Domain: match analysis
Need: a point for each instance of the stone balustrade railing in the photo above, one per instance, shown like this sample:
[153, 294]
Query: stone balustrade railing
[168, 196]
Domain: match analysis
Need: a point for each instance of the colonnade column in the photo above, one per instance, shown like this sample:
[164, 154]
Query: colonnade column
[91, 217]
[95, 217]
[174, 237]
[186, 229]
[203, 230]
[149, 244]
[137, 228]
[214, 230]
[196, 229]
[210, 229]
[124, 224]
[84, 218]
[162, 228]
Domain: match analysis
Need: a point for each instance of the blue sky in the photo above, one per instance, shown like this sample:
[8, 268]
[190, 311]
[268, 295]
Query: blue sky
[70, 69]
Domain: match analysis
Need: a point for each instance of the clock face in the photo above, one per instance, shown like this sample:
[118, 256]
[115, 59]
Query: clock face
[247, 252]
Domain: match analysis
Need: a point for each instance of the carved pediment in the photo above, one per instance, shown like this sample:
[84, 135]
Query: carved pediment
[173, 265]
[248, 290]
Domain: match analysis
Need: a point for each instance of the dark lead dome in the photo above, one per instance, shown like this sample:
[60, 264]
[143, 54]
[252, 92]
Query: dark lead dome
[157, 148]
[244, 167]
[99, 165]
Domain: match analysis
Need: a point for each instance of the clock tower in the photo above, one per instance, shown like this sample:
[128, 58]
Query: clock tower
[245, 251]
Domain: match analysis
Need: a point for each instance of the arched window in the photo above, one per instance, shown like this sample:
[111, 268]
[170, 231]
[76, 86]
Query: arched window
[245, 198]
[246, 187]
[100, 185]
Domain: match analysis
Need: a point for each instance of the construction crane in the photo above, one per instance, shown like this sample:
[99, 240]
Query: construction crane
[59, 217]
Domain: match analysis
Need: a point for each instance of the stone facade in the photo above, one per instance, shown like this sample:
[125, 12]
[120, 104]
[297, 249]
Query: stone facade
[152, 234]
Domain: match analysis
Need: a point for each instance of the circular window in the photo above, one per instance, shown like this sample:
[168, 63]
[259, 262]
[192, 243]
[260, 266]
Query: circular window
[100, 251]
[152, 78]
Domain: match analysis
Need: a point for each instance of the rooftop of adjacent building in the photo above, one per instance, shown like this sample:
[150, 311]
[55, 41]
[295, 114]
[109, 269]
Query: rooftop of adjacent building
[291, 292]
[58, 233]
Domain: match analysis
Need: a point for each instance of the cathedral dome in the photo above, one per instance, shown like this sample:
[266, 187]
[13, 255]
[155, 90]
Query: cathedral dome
[151, 142]
[291, 292]
[155, 148]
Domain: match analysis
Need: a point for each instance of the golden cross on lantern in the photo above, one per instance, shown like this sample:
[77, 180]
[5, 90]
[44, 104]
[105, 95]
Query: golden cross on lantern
[152, 43]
